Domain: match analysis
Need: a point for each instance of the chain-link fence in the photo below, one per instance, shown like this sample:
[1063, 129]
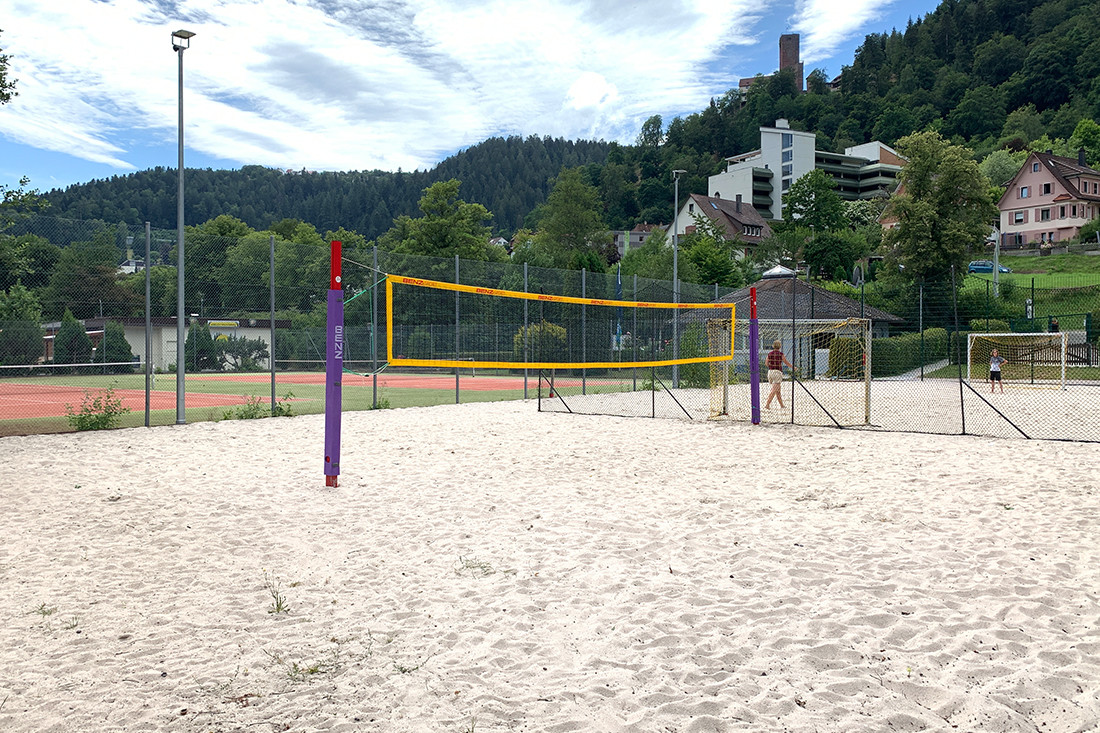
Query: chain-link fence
[75, 327]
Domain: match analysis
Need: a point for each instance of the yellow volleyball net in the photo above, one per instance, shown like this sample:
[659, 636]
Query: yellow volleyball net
[437, 324]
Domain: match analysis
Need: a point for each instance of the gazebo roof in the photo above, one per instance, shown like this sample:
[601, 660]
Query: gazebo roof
[781, 297]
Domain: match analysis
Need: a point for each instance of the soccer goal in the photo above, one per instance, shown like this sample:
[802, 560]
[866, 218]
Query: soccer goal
[1037, 359]
[438, 324]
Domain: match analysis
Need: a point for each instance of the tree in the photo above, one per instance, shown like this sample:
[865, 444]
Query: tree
[242, 354]
[20, 333]
[71, 344]
[85, 280]
[944, 209]
[115, 349]
[1000, 166]
[449, 226]
[573, 222]
[813, 202]
[7, 86]
[650, 135]
[200, 351]
[710, 256]
[652, 260]
[1087, 135]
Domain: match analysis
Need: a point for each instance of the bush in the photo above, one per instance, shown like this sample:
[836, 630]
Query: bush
[991, 325]
[545, 342]
[99, 412]
[899, 354]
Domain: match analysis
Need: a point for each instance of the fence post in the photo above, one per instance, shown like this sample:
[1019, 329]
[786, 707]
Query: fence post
[584, 331]
[920, 324]
[374, 328]
[634, 338]
[148, 325]
[457, 344]
[526, 332]
[958, 348]
[271, 288]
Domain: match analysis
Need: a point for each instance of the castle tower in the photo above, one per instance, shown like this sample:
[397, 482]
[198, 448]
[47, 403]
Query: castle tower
[789, 58]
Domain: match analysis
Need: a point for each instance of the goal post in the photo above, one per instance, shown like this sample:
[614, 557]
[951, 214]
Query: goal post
[1037, 359]
[431, 323]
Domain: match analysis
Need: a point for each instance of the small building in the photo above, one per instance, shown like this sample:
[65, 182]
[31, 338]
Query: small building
[625, 241]
[163, 339]
[1048, 200]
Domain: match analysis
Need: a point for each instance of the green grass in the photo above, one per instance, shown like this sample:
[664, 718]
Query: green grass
[1067, 264]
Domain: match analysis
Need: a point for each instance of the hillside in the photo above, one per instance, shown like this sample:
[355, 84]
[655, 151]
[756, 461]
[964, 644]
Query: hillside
[510, 176]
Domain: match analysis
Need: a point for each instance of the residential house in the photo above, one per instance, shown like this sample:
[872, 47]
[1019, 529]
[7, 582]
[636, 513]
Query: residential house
[1048, 200]
[738, 220]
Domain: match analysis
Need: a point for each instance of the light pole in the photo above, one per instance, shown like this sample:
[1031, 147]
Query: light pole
[676, 272]
[181, 41]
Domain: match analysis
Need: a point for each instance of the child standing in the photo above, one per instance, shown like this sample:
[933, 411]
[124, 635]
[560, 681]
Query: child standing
[775, 362]
[995, 361]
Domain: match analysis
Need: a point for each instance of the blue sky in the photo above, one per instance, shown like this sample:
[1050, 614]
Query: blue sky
[379, 84]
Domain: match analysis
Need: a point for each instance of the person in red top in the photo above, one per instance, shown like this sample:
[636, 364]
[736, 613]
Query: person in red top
[775, 362]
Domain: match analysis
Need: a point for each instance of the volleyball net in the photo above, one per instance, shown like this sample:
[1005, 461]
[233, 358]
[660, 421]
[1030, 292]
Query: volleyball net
[438, 324]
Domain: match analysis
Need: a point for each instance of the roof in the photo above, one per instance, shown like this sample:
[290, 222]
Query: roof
[774, 301]
[732, 216]
[1065, 170]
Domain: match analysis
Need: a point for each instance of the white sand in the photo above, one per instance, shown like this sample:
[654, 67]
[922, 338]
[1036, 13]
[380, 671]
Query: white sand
[488, 568]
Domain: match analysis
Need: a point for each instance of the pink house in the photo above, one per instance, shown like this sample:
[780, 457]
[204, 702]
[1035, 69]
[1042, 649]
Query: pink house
[1048, 200]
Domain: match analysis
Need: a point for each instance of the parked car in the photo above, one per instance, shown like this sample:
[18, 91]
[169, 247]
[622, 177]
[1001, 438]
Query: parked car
[985, 266]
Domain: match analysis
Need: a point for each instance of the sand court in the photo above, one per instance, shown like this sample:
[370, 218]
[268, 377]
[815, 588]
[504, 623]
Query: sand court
[484, 567]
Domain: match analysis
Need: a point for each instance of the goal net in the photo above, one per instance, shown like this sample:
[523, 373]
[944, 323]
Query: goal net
[1037, 359]
[832, 370]
[437, 324]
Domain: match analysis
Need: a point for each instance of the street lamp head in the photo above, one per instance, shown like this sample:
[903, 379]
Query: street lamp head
[678, 172]
[181, 40]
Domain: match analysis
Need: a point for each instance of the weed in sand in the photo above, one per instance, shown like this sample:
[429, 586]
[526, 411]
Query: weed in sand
[275, 590]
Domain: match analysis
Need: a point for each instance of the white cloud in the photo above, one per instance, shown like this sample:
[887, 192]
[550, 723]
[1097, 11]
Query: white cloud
[824, 27]
[355, 84]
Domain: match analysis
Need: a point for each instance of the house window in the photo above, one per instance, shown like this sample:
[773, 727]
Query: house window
[788, 169]
[691, 208]
[1061, 212]
[786, 183]
[1017, 217]
[1044, 214]
[788, 139]
[788, 156]
[1025, 192]
[1073, 211]
[1035, 167]
[1046, 189]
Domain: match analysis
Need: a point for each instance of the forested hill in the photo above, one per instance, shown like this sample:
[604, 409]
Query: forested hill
[990, 74]
[509, 176]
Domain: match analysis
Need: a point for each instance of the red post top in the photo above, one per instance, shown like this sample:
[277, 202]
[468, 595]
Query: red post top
[334, 268]
[752, 302]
